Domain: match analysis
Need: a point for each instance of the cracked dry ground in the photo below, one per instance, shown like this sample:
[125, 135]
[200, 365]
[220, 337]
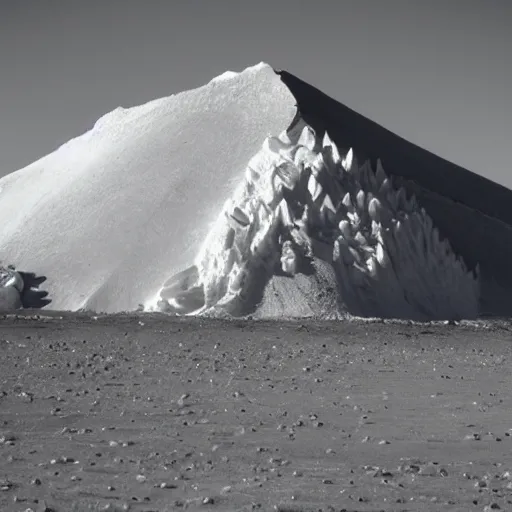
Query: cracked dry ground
[148, 413]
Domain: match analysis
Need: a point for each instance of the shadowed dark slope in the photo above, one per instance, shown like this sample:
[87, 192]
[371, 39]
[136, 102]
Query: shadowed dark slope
[401, 158]
[474, 213]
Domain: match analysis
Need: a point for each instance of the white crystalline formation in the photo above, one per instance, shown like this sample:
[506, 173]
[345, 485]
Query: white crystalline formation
[11, 288]
[300, 199]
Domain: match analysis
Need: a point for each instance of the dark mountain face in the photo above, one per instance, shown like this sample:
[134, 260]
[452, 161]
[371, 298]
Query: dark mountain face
[474, 213]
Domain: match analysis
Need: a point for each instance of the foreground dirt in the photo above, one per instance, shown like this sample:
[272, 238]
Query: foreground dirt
[156, 414]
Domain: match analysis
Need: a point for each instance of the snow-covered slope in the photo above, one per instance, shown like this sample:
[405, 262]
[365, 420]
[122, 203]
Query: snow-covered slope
[221, 200]
[109, 216]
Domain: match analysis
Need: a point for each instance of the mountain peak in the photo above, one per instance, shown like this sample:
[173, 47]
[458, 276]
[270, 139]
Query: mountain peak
[255, 193]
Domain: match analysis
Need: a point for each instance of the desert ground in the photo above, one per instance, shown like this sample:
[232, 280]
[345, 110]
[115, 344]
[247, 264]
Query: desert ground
[153, 413]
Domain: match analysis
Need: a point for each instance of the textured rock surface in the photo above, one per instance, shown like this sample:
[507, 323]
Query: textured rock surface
[300, 201]
[144, 413]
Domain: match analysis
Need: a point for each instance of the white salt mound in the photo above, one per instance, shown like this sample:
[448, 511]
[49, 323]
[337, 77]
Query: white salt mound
[213, 202]
[109, 216]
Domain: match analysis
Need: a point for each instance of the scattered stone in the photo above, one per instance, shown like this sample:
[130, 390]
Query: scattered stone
[63, 460]
[7, 438]
[167, 485]
[6, 485]
[181, 400]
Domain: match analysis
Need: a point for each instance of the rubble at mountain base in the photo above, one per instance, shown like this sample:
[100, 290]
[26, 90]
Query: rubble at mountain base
[11, 288]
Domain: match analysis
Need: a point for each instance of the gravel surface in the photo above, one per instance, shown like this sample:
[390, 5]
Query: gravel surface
[151, 413]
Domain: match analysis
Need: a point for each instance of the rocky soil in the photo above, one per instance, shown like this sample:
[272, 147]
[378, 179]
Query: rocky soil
[149, 413]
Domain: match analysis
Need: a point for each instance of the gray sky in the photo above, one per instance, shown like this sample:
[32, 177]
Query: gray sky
[437, 72]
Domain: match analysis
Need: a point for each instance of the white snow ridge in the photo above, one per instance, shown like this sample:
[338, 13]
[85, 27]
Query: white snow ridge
[177, 206]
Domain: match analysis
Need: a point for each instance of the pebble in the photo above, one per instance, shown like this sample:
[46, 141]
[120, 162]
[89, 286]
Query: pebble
[8, 439]
[181, 400]
[63, 460]
[167, 485]
[112, 507]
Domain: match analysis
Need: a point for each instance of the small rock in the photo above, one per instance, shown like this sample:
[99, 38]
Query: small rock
[473, 437]
[63, 460]
[181, 400]
[6, 485]
[167, 485]
[7, 438]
